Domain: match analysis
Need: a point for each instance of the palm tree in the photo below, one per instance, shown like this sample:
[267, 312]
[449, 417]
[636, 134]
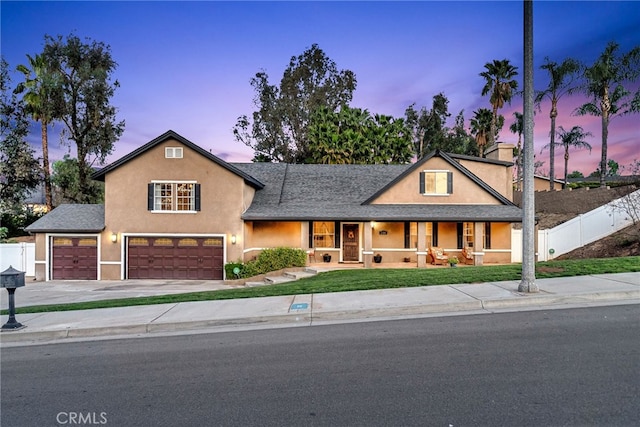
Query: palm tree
[561, 78]
[573, 138]
[608, 73]
[499, 82]
[41, 91]
[481, 128]
[517, 127]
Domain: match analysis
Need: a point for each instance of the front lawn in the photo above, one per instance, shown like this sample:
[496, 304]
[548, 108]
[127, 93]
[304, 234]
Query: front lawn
[366, 279]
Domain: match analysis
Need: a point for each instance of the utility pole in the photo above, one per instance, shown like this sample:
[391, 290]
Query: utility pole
[528, 283]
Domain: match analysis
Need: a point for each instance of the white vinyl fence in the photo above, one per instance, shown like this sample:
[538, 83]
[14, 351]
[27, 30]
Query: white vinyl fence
[21, 256]
[573, 234]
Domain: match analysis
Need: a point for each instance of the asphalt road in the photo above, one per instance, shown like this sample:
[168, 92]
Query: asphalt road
[542, 368]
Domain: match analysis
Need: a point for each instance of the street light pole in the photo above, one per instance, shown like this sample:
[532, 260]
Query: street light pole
[528, 282]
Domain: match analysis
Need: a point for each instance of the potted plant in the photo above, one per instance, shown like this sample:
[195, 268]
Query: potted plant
[326, 258]
[377, 258]
[453, 261]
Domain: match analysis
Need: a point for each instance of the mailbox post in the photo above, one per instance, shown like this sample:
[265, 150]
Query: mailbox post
[12, 279]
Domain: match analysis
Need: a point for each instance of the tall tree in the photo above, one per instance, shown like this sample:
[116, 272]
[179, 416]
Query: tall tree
[428, 126]
[481, 127]
[571, 138]
[279, 129]
[41, 89]
[67, 186]
[499, 83]
[517, 127]
[390, 140]
[605, 85]
[353, 136]
[19, 169]
[85, 71]
[561, 81]
[458, 140]
[612, 167]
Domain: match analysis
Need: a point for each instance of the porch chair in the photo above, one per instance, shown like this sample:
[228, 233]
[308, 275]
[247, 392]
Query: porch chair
[438, 256]
[466, 256]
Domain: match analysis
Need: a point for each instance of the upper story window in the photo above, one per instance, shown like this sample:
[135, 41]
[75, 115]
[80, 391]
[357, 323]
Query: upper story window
[173, 152]
[436, 183]
[168, 196]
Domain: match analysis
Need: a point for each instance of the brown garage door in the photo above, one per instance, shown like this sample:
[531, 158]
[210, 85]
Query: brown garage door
[175, 258]
[75, 258]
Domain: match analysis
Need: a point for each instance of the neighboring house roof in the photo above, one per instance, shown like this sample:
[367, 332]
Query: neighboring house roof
[343, 192]
[546, 178]
[36, 196]
[99, 175]
[71, 218]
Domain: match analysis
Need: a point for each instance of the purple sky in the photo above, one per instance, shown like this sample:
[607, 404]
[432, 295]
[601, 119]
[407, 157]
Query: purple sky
[186, 66]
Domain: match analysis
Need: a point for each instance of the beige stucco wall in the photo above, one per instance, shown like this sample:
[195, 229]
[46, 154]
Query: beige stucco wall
[40, 256]
[542, 184]
[224, 196]
[394, 237]
[465, 191]
[270, 234]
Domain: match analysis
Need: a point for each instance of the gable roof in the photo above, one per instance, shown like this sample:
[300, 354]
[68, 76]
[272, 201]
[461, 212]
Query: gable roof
[311, 192]
[456, 165]
[70, 218]
[99, 175]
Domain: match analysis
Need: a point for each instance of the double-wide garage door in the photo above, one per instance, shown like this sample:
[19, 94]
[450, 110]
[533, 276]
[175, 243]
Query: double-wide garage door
[175, 258]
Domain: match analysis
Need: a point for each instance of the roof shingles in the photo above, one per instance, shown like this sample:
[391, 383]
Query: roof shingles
[341, 192]
[71, 218]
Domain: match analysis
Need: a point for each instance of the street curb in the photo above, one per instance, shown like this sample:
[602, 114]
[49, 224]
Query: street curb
[308, 317]
[551, 299]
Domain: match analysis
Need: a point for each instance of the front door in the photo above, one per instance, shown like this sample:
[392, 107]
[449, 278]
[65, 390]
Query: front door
[350, 242]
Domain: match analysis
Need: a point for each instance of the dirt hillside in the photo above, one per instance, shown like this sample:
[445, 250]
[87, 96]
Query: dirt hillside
[555, 207]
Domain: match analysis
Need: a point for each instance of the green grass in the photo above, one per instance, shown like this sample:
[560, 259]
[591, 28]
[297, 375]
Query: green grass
[366, 279]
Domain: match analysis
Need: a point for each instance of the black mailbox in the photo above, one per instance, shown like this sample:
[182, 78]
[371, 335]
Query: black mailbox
[11, 278]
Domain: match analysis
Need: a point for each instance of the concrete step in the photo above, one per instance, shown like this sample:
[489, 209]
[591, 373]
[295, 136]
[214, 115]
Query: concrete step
[298, 274]
[287, 276]
[278, 279]
[255, 284]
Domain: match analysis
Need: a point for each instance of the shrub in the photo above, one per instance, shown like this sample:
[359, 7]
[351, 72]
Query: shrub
[228, 269]
[269, 260]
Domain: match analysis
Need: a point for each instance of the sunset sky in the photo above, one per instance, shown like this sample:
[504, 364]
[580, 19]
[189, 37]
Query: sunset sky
[186, 66]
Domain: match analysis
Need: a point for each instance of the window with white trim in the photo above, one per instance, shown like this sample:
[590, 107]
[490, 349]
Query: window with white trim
[173, 197]
[173, 152]
[436, 183]
[413, 233]
[467, 234]
[323, 234]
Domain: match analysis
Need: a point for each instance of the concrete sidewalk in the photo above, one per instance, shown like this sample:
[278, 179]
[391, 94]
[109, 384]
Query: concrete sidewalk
[298, 310]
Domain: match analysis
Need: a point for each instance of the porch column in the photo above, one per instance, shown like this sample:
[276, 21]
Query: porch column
[367, 251]
[422, 245]
[478, 243]
[304, 235]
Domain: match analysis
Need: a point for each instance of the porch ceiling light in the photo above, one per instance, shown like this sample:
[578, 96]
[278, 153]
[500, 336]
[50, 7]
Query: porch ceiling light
[114, 237]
